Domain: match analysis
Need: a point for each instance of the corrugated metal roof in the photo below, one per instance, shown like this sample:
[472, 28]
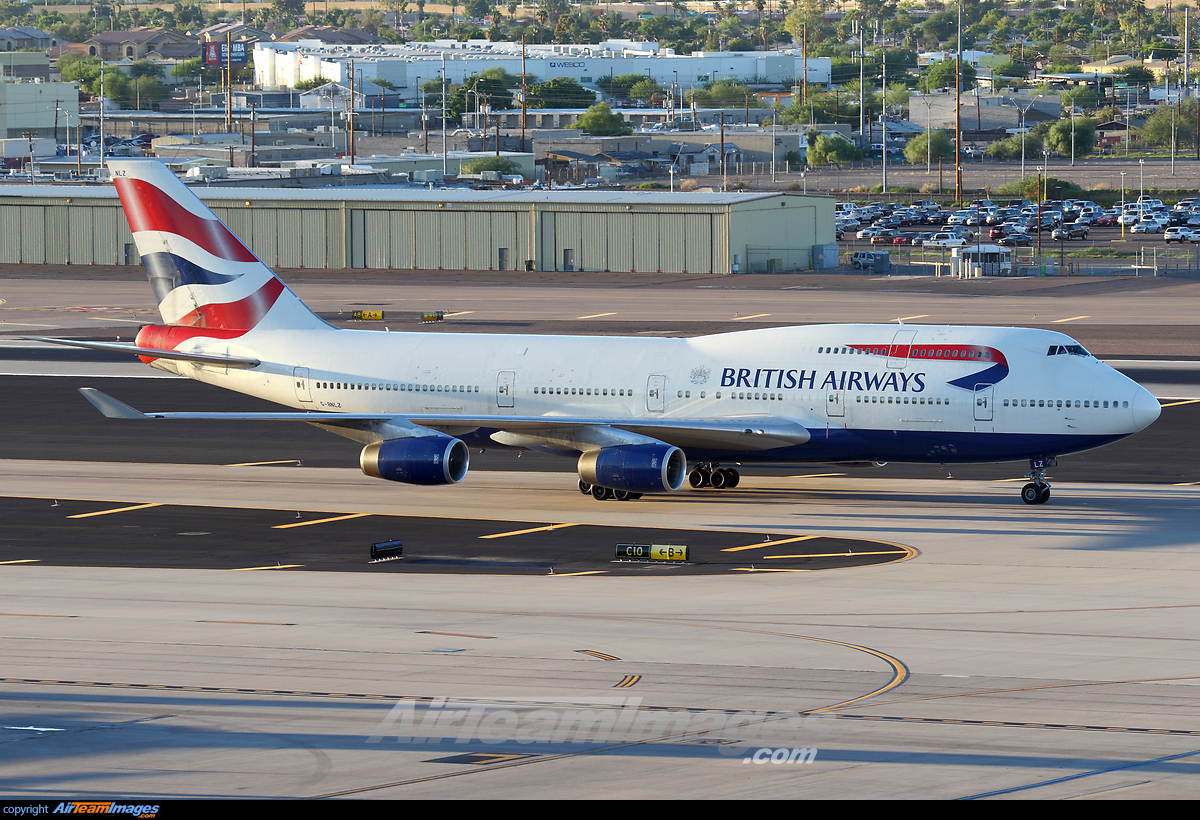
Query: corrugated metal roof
[396, 193]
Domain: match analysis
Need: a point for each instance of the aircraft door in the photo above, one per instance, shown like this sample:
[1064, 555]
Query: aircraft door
[300, 377]
[898, 352]
[983, 402]
[506, 382]
[656, 394]
[835, 404]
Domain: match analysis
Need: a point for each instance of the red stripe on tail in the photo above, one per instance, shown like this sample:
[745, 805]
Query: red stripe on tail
[149, 209]
[242, 315]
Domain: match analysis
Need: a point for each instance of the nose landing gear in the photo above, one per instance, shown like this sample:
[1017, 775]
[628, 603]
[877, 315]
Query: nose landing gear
[1037, 491]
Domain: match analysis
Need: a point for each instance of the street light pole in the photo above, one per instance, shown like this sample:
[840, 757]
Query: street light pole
[1122, 216]
[1141, 185]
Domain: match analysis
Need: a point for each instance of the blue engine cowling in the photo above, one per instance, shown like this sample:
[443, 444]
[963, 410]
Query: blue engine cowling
[638, 468]
[436, 459]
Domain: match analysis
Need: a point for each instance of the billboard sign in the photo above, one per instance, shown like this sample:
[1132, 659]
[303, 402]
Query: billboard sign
[215, 54]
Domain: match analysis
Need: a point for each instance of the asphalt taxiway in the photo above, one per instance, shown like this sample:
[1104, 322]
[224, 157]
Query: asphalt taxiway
[190, 611]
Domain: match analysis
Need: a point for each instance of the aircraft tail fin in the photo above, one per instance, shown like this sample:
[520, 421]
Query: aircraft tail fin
[203, 276]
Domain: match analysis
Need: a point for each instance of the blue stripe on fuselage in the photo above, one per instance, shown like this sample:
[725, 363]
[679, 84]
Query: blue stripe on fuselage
[913, 446]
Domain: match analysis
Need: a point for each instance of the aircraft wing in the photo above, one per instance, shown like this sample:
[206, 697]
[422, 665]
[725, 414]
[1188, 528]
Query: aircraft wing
[736, 432]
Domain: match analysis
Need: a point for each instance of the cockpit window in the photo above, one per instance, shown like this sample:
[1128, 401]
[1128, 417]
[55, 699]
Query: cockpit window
[1064, 350]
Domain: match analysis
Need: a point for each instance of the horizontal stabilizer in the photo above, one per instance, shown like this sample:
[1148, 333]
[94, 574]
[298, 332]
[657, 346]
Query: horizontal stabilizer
[154, 353]
[114, 409]
[109, 406]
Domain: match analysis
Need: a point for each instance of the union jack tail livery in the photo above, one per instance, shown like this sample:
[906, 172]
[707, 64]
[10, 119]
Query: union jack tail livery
[205, 279]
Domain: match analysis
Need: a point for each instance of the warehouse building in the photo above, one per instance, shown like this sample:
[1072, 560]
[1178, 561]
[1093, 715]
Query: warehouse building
[450, 229]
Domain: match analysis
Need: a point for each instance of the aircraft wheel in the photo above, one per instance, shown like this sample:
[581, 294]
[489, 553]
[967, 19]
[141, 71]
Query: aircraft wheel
[732, 478]
[698, 478]
[718, 479]
[634, 496]
[584, 487]
[1031, 493]
[620, 495]
[601, 493]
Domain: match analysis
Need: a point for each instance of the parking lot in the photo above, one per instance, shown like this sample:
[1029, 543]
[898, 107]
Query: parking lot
[1104, 251]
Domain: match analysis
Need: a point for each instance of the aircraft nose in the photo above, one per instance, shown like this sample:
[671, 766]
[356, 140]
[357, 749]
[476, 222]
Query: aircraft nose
[1145, 409]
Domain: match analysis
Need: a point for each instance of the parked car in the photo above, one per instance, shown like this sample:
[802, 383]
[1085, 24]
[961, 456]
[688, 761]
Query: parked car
[1149, 224]
[945, 240]
[1015, 239]
[867, 259]
[1180, 235]
[1074, 231]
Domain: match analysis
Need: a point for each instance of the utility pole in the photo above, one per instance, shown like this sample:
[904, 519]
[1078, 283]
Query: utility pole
[29, 135]
[445, 150]
[102, 118]
[883, 117]
[958, 77]
[724, 185]
[804, 57]
[350, 118]
[523, 91]
[862, 102]
[229, 83]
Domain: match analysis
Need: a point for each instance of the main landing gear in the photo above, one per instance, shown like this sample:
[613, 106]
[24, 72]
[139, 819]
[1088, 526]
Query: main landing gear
[605, 493]
[1037, 491]
[707, 474]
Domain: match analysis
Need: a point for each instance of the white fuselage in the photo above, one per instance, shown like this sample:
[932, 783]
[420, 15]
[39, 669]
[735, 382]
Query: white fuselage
[865, 392]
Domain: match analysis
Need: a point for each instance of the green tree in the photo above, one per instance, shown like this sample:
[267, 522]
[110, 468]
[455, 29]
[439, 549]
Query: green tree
[936, 148]
[645, 90]
[832, 151]
[1058, 138]
[600, 121]
[481, 164]
[477, 92]
[1010, 148]
[1158, 125]
[561, 92]
[620, 85]
[942, 75]
[1136, 75]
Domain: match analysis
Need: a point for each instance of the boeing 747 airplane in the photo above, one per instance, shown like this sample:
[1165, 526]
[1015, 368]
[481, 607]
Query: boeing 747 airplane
[639, 414]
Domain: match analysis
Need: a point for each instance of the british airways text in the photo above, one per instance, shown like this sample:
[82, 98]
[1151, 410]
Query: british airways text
[780, 379]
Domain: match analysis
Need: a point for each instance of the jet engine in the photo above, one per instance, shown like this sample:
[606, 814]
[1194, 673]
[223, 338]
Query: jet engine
[637, 468]
[436, 459]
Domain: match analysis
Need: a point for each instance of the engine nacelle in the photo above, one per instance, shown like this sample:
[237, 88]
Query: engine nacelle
[637, 468]
[437, 459]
